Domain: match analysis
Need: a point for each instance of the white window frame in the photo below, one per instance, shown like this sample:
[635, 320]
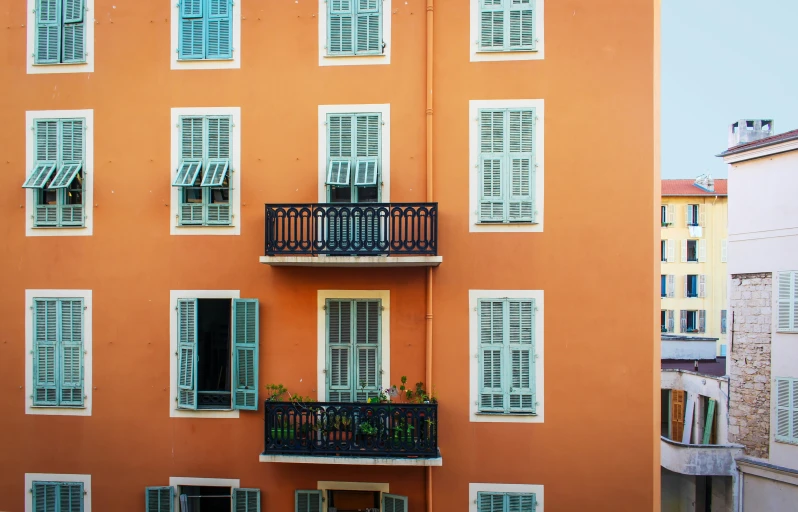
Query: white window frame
[176, 481]
[56, 477]
[87, 353]
[321, 346]
[234, 63]
[355, 60]
[31, 116]
[478, 55]
[384, 110]
[324, 486]
[474, 225]
[475, 488]
[174, 295]
[474, 296]
[83, 67]
[235, 173]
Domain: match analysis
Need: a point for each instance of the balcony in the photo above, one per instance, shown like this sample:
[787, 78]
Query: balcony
[384, 434]
[352, 235]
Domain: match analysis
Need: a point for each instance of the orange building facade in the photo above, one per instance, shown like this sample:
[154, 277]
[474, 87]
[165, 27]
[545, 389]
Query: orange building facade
[448, 198]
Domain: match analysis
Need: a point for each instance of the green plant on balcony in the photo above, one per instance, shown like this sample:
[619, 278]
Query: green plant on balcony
[368, 430]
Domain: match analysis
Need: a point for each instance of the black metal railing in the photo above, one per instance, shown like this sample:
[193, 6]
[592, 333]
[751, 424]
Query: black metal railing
[351, 429]
[352, 229]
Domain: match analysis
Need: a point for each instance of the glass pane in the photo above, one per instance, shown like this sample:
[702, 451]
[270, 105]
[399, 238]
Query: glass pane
[340, 194]
[367, 194]
[192, 195]
[74, 194]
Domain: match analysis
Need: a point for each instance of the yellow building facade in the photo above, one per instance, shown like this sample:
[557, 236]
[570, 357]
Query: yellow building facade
[693, 255]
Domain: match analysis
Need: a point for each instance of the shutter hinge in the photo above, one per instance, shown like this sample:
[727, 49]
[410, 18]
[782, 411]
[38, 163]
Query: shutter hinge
[323, 307]
[382, 308]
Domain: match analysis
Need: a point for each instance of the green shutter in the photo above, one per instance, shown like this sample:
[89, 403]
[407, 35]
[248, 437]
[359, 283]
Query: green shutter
[220, 30]
[218, 137]
[246, 500]
[522, 25]
[48, 32]
[245, 350]
[491, 163]
[45, 496]
[517, 502]
[787, 410]
[367, 140]
[187, 172]
[65, 175]
[521, 348]
[215, 173]
[338, 172]
[187, 353]
[521, 207]
[339, 136]
[507, 25]
[70, 496]
[368, 39]
[490, 502]
[71, 352]
[192, 141]
[73, 32]
[366, 171]
[709, 422]
[46, 140]
[307, 501]
[788, 302]
[339, 350]
[72, 140]
[394, 503]
[340, 27]
[45, 344]
[192, 30]
[39, 175]
[491, 349]
[491, 25]
[367, 346]
[160, 499]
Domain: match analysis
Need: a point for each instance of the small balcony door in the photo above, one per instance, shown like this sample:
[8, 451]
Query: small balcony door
[353, 369]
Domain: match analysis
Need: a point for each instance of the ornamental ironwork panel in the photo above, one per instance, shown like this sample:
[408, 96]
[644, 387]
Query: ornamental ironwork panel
[351, 429]
[345, 229]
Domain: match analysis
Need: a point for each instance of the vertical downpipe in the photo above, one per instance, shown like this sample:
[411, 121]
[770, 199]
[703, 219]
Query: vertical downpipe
[429, 200]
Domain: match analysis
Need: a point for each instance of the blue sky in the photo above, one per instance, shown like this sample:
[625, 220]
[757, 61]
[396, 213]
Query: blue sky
[724, 60]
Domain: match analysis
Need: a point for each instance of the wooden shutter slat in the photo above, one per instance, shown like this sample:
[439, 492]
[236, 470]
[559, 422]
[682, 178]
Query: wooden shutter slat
[339, 338]
[220, 30]
[246, 500]
[341, 27]
[187, 353]
[215, 173]
[187, 172]
[71, 352]
[48, 32]
[338, 171]
[394, 503]
[245, 349]
[39, 175]
[159, 499]
[45, 358]
[307, 501]
[491, 340]
[70, 496]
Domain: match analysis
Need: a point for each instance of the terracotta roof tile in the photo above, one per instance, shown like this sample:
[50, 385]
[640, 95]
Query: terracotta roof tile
[689, 188]
[767, 141]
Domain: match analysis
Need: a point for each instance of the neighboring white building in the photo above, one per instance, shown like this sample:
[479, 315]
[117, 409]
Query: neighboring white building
[763, 294]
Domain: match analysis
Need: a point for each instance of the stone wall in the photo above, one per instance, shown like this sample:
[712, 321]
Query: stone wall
[749, 387]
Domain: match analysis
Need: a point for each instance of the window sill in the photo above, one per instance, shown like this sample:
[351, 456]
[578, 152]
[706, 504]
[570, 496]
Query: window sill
[789, 331]
[230, 59]
[515, 50]
[59, 407]
[52, 64]
[786, 441]
[353, 55]
[57, 227]
[506, 414]
[502, 223]
[189, 226]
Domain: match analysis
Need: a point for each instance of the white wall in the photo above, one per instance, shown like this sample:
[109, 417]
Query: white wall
[687, 350]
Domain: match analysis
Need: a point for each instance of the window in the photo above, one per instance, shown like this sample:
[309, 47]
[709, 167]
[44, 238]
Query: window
[723, 321]
[353, 349]
[354, 157]
[349, 498]
[354, 27]
[57, 493]
[507, 25]
[693, 321]
[60, 32]
[691, 286]
[507, 356]
[217, 353]
[666, 320]
[788, 302]
[666, 214]
[507, 165]
[663, 286]
[57, 175]
[663, 251]
[694, 251]
[206, 30]
[693, 215]
[210, 498]
[787, 410]
[159, 499]
[505, 502]
[669, 286]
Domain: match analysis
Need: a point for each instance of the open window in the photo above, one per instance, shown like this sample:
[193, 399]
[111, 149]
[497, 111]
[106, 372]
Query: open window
[346, 500]
[201, 498]
[217, 355]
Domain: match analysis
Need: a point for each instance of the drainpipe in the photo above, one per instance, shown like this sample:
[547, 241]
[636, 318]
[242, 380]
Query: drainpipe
[428, 340]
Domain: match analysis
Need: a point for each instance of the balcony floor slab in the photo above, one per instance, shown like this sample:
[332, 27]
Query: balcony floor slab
[354, 461]
[352, 261]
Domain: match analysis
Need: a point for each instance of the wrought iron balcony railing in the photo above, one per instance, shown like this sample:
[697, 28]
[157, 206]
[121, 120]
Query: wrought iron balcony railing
[366, 229]
[351, 429]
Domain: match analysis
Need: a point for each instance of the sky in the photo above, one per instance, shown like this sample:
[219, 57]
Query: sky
[722, 61]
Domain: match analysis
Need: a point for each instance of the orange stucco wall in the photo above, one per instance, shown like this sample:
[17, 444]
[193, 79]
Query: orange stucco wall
[593, 260]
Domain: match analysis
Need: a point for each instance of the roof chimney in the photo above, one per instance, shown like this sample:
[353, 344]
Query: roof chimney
[749, 130]
[705, 182]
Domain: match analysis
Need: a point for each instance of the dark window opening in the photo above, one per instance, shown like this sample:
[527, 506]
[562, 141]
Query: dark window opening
[204, 498]
[664, 214]
[214, 367]
[663, 325]
[692, 215]
[692, 250]
[663, 251]
[352, 501]
[340, 194]
[692, 321]
[663, 286]
[665, 401]
[692, 286]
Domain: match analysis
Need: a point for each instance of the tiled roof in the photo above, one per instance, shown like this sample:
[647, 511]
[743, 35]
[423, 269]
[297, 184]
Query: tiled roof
[767, 141]
[716, 367]
[689, 188]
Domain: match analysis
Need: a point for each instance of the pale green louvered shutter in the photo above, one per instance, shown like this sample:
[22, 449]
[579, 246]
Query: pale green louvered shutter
[369, 27]
[491, 162]
[307, 501]
[70, 497]
[341, 143]
[783, 412]
[48, 32]
[340, 27]
[74, 31]
[521, 341]
[517, 502]
[187, 353]
[71, 162]
[246, 500]
[339, 350]
[367, 157]
[394, 503]
[491, 348]
[45, 343]
[521, 207]
[71, 352]
[245, 350]
[788, 302]
[192, 145]
[367, 346]
[45, 153]
[192, 30]
[522, 25]
[491, 25]
[490, 502]
[220, 30]
[45, 496]
[159, 499]
[218, 154]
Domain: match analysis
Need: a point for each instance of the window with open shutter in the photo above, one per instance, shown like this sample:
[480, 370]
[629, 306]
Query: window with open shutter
[57, 177]
[205, 30]
[394, 503]
[506, 502]
[58, 334]
[57, 496]
[670, 320]
[203, 173]
[159, 499]
[786, 410]
[187, 353]
[787, 302]
[307, 501]
[354, 27]
[702, 285]
[506, 355]
[60, 36]
[507, 165]
[354, 369]
[245, 354]
[702, 320]
[723, 321]
[353, 157]
[507, 25]
[246, 500]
